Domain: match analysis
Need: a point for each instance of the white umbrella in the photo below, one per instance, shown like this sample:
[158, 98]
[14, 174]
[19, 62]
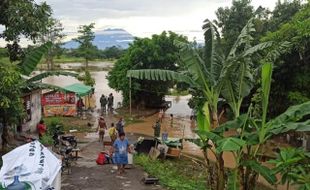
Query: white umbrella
[34, 164]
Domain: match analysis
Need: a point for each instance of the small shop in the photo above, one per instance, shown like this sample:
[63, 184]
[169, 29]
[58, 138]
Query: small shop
[63, 103]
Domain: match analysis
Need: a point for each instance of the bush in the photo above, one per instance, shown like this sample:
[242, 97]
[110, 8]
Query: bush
[52, 124]
[173, 174]
[46, 140]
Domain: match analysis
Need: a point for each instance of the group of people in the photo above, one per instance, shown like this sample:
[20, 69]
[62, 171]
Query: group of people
[120, 145]
[106, 102]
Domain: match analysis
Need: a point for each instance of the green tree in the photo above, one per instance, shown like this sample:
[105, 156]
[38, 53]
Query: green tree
[158, 52]
[22, 18]
[87, 79]
[282, 13]
[113, 52]
[232, 19]
[210, 76]
[55, 35]
[86, 48]
[11, 109]
[292, 69]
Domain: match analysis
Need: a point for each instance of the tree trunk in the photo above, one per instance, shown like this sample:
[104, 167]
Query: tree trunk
[220, 172]
[241, 177]
[209, 171]
[215, 120]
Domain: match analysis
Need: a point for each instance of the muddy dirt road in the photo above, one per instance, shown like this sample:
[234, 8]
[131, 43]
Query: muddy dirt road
[87, 175]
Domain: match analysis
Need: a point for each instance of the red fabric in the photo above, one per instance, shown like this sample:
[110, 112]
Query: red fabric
[41, 129]
[101, 159]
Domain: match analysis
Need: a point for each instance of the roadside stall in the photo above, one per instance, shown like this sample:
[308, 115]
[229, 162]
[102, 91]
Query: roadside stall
[63, 103]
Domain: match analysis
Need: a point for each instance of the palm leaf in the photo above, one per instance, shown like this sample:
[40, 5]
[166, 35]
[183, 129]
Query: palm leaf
[158, 74]
[33, 58]
[51, 73]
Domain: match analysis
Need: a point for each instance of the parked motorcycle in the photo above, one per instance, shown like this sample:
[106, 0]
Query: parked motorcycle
[59, 137]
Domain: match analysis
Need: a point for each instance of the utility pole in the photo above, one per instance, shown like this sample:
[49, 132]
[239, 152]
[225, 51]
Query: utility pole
[130, 96]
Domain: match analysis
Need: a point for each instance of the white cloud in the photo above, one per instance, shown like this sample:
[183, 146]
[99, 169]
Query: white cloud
[141, 18]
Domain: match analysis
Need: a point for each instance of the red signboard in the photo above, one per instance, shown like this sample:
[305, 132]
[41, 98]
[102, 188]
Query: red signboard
[58, 98]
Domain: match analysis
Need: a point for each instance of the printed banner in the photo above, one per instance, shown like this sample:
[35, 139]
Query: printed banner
[63, 110]
[32, 166]
[57, 98]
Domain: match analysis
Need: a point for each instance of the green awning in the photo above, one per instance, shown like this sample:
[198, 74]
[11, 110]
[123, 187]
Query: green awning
[79, 89]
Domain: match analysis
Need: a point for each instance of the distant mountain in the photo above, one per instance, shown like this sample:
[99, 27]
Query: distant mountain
[107, 38]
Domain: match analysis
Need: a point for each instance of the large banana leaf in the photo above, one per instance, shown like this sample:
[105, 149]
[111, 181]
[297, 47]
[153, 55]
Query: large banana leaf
[288, 120]
[203, 118]
[51, 73]
[239, 122]
[33, 58]
[262, 170]
[195, 65]
[230, 144]
[244, 38]
[238, 84]
[213, 56]
[158, 74]
[266, 75]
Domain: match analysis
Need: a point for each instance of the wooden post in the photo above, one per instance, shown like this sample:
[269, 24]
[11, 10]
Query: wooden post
[130, 96]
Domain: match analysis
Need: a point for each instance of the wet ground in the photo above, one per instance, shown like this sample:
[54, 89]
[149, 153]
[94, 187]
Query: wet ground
[87, 175]
[86, 168]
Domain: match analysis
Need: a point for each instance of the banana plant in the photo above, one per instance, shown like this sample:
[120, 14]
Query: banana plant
[214, 74]
[254, 133]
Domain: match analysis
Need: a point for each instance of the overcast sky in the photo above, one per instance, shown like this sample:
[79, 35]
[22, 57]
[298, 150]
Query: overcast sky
[141, 18]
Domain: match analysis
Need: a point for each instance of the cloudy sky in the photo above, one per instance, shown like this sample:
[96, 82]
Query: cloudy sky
[141, 18]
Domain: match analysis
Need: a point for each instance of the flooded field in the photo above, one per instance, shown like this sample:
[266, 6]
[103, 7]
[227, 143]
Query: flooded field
[179, 104]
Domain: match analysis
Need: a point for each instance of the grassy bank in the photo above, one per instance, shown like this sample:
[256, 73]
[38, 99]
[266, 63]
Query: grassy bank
[69, 123]
[181, 174]
[67, 59]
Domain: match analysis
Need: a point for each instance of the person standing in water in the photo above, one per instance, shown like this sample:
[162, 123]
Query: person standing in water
[121, 149]
[102, 126]
[156, 128]
[110, 102]
[103, 103]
